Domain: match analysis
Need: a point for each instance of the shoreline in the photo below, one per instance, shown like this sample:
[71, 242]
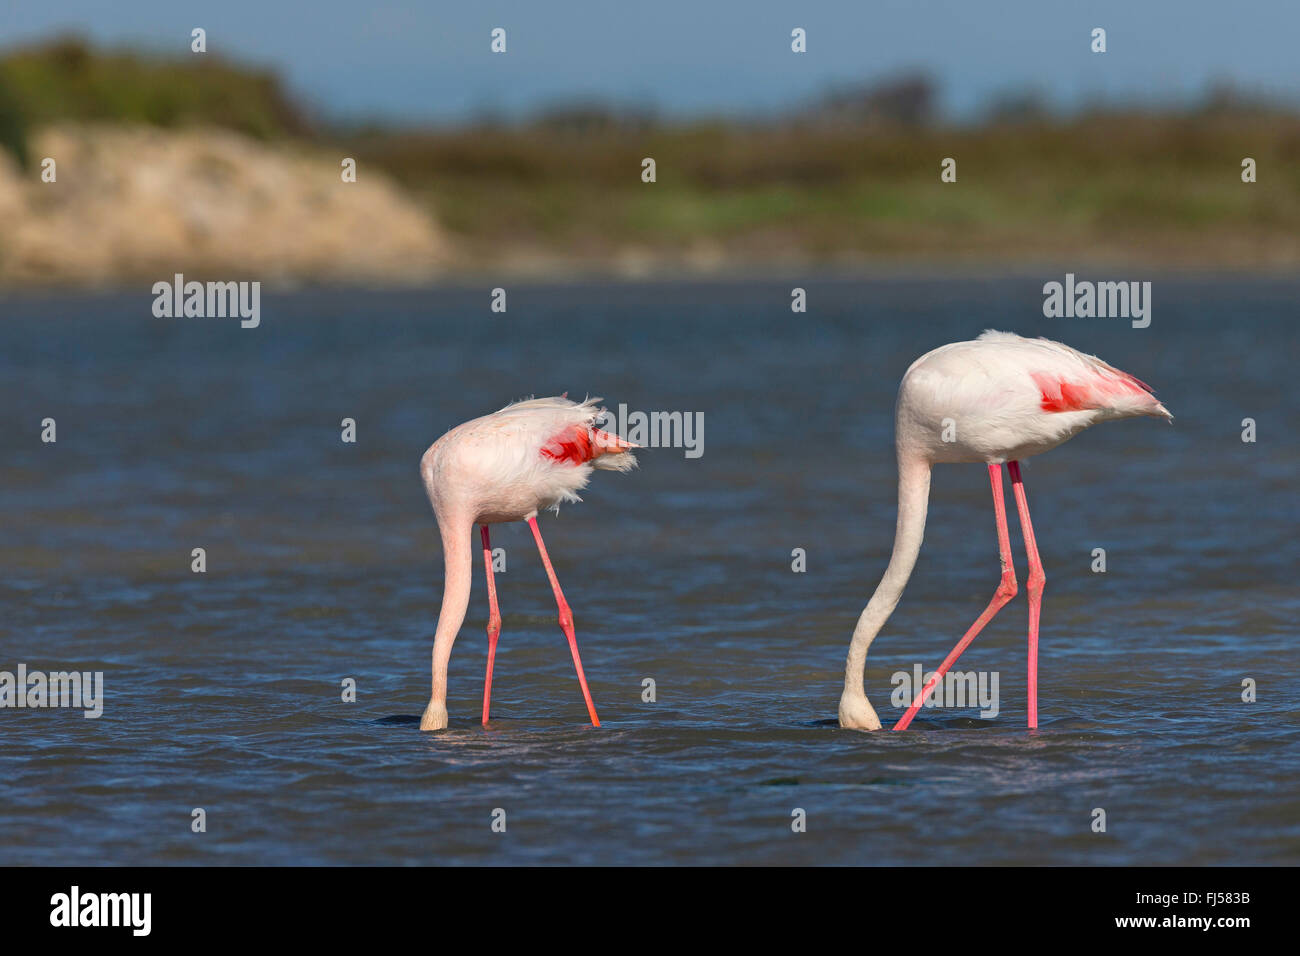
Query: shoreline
[480, 278]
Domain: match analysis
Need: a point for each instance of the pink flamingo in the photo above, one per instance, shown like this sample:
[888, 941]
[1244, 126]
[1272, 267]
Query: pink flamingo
[1000, 398]
[507, 466]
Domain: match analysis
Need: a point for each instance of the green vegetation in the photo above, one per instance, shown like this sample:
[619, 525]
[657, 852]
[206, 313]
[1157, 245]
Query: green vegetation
[13, 124]
[1158, 188]
[853, 178]
[66, 80]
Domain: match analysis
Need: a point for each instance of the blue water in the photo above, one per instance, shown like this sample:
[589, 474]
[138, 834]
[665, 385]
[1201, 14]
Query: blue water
[223, 689]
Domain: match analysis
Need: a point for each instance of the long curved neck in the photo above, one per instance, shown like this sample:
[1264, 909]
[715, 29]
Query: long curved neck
[913, 500]
[458, 561]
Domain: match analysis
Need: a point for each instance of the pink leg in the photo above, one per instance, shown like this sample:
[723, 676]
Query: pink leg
[1036, 581]
[566, 619]
[1005, 592]
[494, 620]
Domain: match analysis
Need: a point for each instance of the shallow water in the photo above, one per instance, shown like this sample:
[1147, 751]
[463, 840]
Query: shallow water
[223, 689]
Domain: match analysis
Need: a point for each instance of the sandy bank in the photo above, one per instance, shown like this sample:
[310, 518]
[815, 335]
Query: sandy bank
[143, 203]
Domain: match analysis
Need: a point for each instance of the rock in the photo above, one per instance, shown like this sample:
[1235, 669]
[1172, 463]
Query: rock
[143, 203]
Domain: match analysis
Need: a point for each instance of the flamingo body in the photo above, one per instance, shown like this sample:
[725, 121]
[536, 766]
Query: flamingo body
[519, 461]
[998, 400]
[508, 466]
[1009, 398]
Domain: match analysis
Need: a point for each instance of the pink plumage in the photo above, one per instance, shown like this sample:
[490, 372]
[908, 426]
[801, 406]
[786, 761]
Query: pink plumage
[508, 466]
[998, 399]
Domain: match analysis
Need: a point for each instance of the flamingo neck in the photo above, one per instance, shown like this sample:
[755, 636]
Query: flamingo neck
[913, 501]
[457, 560]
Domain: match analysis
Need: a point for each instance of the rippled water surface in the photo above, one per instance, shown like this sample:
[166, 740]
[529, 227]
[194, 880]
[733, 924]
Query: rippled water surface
[223, 689]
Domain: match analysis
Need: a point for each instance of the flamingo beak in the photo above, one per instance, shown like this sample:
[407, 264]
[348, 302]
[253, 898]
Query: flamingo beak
[603, 443]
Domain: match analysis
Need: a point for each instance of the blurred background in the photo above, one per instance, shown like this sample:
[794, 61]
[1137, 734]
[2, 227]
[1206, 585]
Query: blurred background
[528, 162]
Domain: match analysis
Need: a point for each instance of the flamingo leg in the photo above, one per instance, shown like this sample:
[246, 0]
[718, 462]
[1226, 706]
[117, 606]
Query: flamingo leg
[494, 620]
[1035, 586]
[566, 619]
[1005, 592]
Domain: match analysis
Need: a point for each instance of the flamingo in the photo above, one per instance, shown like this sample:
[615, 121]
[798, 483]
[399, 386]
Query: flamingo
[508, 466]
[998, 399]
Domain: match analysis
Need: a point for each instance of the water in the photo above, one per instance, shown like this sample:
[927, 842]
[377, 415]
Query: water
[223, 689]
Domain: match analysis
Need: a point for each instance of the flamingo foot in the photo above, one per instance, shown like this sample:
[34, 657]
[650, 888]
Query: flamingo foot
[856, 713]
[435, 716]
